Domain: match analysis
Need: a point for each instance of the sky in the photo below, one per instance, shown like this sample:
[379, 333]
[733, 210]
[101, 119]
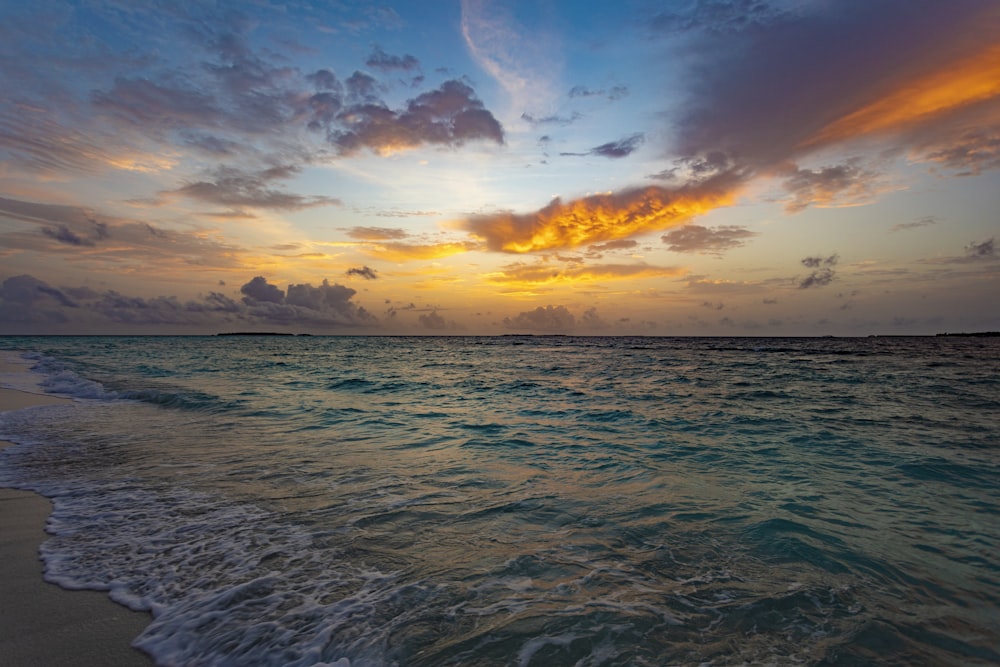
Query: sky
[669, 167]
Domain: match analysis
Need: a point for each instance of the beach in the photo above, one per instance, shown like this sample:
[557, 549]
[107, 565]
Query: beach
[40, 623]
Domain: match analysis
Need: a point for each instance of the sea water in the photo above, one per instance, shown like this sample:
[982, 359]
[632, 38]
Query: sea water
[524, 500]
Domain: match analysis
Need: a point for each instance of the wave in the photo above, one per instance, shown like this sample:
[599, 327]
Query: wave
[61, 380]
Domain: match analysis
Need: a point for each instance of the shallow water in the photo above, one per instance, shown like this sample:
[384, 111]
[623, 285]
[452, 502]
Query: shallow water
[526, 500]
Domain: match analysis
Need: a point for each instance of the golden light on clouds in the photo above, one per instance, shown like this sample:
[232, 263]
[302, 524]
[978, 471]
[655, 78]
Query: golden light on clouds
[404, 252]
[603, 217]
[960, 84]
[541, 274]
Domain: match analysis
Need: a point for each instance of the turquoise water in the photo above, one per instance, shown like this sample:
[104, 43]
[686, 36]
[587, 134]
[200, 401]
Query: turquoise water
[525, 500]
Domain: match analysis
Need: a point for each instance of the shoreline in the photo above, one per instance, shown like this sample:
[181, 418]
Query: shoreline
[41, 623]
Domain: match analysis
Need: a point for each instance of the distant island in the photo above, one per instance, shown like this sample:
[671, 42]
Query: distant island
[260, 333]
[977, 334]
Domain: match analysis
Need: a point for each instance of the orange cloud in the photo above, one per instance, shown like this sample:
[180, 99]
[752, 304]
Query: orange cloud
[536, 274]
[603, 217]
[959, 84]
[403, 252]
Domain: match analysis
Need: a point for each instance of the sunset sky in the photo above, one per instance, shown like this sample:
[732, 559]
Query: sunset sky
[669, 167]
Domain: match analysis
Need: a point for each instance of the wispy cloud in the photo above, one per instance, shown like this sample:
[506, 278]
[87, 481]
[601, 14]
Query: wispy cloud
[521, 59]
[616, 149]
[381, 60]
[230, 186]
[925, 221]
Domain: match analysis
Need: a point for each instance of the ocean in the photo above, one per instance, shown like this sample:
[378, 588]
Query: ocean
[524, 500]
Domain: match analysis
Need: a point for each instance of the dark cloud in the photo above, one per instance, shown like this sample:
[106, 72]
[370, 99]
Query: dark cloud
[616, 149]
[549, 319]
[363, 88]
[381, 60]
[234, 187]
[778, 84]
[303, 304]
[823, 273]
[363, 272]
[695, 238]
[451, 115]
[27, 302]
[982, 250]
[325, 81]
[433, 321]
[590, 320]
[815, 262]
[259, 290]
[64, 234]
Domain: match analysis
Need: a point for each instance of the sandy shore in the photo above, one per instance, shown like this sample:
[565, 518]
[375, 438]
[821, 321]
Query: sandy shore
[40, 623]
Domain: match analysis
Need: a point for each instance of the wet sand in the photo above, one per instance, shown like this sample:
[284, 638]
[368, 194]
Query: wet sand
[40, 623]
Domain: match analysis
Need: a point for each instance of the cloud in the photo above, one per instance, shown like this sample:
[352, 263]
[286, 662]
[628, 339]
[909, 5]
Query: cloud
[363, 272]
[778, 85]
[403, 252]
[64, 234]
[847, 184]
[553, 119]
[303, 304]
[522, 59]
[549, 319]
[982, 250]
[259, 290]
[376, 233]
[612, 94]
[823, 273]
[544, 273]
[381, 60]
[451, 116]
[702, 240]
[230, 186]
[616, 149]
[969, 153]
[27, 303]
[85, 235]
[38, 143]
[925, 221]
[433, 321]
[620, 244]
[602, 218]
